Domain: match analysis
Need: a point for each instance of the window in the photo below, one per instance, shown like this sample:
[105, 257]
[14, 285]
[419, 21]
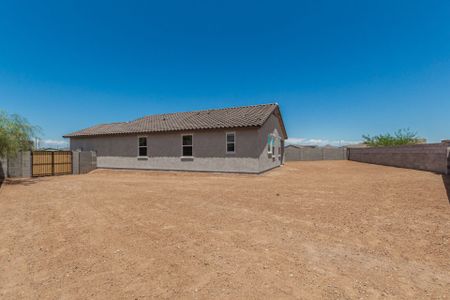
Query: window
[142, 146]
[280, 149]
[270, 145]
[231, 142]
[187, 145]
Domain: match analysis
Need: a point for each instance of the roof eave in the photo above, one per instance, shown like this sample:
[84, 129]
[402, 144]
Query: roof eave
[158, 131]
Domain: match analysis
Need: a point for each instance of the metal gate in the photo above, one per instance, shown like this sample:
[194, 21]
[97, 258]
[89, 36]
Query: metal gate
[49, 163]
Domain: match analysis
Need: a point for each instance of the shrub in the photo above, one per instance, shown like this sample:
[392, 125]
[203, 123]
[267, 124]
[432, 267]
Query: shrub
[400, 137]
[16, 134]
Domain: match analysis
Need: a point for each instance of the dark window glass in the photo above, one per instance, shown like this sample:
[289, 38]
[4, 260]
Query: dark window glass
[142, 146]
[142, 141]
[187, 140]
[230, 137]
[187, 145]
[142, 151]
[230, 142]
[187, 151]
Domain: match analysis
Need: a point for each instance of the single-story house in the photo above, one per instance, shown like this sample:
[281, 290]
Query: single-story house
[248, 139]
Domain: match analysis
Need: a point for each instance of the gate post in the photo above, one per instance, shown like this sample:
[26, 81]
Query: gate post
[75, 162]
[26, 165]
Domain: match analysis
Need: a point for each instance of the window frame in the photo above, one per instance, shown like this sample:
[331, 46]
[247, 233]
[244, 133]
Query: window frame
[139, 146]
[182, 146]
[234, 142]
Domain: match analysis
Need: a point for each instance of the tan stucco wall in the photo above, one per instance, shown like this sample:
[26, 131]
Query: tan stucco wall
[207, 143]
[271, 126]
[164, 150]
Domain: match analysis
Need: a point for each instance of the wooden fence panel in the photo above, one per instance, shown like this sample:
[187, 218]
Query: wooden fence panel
[48, 163]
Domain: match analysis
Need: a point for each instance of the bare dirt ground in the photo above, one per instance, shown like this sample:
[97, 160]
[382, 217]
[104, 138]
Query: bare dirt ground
[306, 230]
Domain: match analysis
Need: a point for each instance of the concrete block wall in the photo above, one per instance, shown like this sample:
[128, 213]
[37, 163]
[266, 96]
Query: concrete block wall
[26, 164]
[298, 153]
[427, 157]
[15, 166]
[19, 165]
[311, 154]
[76, 162]
[87, 161]
[334, 153]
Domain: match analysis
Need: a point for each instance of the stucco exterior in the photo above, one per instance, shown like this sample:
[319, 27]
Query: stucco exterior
[269, 161]
[207, 143]
[164, 150]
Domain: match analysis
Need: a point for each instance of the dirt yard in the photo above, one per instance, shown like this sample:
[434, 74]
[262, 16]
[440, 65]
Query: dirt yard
[309, 229]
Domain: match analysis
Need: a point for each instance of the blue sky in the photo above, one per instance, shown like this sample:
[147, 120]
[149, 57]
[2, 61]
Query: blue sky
[339, 69]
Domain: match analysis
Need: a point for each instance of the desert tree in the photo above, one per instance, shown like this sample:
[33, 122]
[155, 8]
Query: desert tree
[400, 137]
[16, 134]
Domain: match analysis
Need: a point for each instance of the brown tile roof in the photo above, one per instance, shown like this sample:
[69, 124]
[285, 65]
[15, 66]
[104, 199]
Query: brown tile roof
[245, 116]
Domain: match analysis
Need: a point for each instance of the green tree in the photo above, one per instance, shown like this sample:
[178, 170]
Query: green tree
[16, 134]
[400, 137]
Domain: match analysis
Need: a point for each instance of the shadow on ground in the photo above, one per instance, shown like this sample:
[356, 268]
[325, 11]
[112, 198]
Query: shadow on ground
[20, 181]
[446, 180]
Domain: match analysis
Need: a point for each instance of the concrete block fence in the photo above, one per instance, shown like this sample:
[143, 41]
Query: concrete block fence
[427, 157]
[293, 153]
[20, 165]
[84, 161]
